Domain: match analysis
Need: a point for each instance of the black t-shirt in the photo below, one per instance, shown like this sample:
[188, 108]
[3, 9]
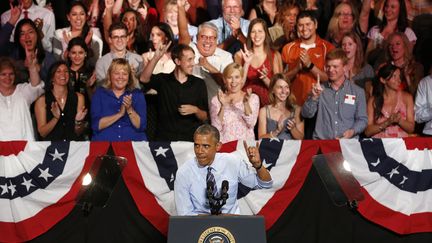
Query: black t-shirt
[171, 125]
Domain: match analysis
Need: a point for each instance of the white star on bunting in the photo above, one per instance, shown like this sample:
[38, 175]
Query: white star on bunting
[57, 155]
[45, 173]
[161, 151]
[12, 188]
[4, 189]
[393, 171]
[27, 183]
[265, 164]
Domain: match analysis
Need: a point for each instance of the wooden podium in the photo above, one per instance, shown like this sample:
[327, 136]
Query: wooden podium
[215, 229]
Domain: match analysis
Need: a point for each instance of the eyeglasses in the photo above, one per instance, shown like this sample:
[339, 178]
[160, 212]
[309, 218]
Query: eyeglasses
[207, 37]
[119, 37]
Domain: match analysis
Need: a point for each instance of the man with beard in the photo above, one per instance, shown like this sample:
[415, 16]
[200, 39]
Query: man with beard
[211, 60]
[182, 97]
[305, 57]
[339, 103]
[232, 28]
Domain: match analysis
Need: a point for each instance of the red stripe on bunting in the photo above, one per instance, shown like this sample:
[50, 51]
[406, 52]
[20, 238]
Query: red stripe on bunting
[40, 223]
[11, 148]
[283, 197]
[394, 220]
[144, 199]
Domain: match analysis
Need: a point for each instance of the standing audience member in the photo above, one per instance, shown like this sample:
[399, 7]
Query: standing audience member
[7, 28]
[284, 30]
[399, 54]
[28, 41]
[234, 112]
[211, 60]
[266, 10]
[77, 17]
[305, 57]
[264, 61]
[182, 97]
[118, 39]
[43, 18]
[60, 112]
[170, 16]
[390, 110]
[160, 35]
[15, 100]
[423, 104]
[340, 104]
[357, 70]
[281, 118]
[232, 28]
[118, 108]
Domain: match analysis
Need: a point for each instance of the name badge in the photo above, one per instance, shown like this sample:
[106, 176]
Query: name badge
[350, 99]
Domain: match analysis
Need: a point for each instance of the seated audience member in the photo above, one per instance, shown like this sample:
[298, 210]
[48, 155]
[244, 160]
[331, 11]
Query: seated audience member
[28, 41]
[232, 28]
[394, 20]
[7, 28]
[160, 35]
[266, 10]
[305, 57]
[346, 20]
[398, 53]
[170, 16]
[137, 39]
[284, 30]
[234, 112]
[390, 110]
[118, 39]
[193, 177]
[118, 108]
[182, 97]
[423, 104]
[281, 118]
[264, 61]
[339, 103]
[15, 120]
[60, 112]
[77, 17]
[43, 18]
[211, 60]
[357, 70]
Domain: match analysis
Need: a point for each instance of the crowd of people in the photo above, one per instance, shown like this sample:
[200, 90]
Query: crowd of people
[289, 69]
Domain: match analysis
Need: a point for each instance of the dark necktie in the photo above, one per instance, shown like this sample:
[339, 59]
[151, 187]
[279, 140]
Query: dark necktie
[26, 14]
[210, 178]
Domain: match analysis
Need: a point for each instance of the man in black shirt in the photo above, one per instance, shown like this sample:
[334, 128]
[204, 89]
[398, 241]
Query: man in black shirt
[182, 98]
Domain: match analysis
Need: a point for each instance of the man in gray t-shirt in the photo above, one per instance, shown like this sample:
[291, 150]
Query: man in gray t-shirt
[341, 105]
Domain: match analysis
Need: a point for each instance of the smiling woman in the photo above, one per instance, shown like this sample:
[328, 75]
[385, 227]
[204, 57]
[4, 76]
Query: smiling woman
[118, 108]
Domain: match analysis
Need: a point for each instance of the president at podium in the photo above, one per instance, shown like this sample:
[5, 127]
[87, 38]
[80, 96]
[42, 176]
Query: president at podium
[208, 183]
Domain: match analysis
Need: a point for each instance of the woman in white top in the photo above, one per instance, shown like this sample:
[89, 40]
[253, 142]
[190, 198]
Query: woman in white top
[15, 100]
[77, 16]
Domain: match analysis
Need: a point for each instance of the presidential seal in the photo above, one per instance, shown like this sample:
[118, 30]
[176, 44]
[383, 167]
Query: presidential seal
[216, 235]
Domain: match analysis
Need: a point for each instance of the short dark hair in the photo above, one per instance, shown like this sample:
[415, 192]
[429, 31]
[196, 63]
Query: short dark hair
[207, 129]
[178, 51]
[117, 26]
[307, 14]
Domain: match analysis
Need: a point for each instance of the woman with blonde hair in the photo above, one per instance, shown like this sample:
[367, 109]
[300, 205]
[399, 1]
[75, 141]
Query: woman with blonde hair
[234, 112]
[118, 108]
[345, 20]
[281, 118]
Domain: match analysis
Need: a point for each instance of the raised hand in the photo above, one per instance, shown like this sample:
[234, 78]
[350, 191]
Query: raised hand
[66, 36]
[316, 88]
[55, 109]
[15, 13]
[109, 4]
[91, 81]
[127, 101]
[246, 54]
[31, 60]
[234, 23]
[253, 154]
[161, 50]
[88, 37]
[223, 98]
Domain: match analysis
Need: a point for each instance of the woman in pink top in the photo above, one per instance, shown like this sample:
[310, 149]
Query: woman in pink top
[234, 112]
[390, 110]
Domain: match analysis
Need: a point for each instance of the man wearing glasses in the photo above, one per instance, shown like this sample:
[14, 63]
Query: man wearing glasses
[211, 60]
[117, 40]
